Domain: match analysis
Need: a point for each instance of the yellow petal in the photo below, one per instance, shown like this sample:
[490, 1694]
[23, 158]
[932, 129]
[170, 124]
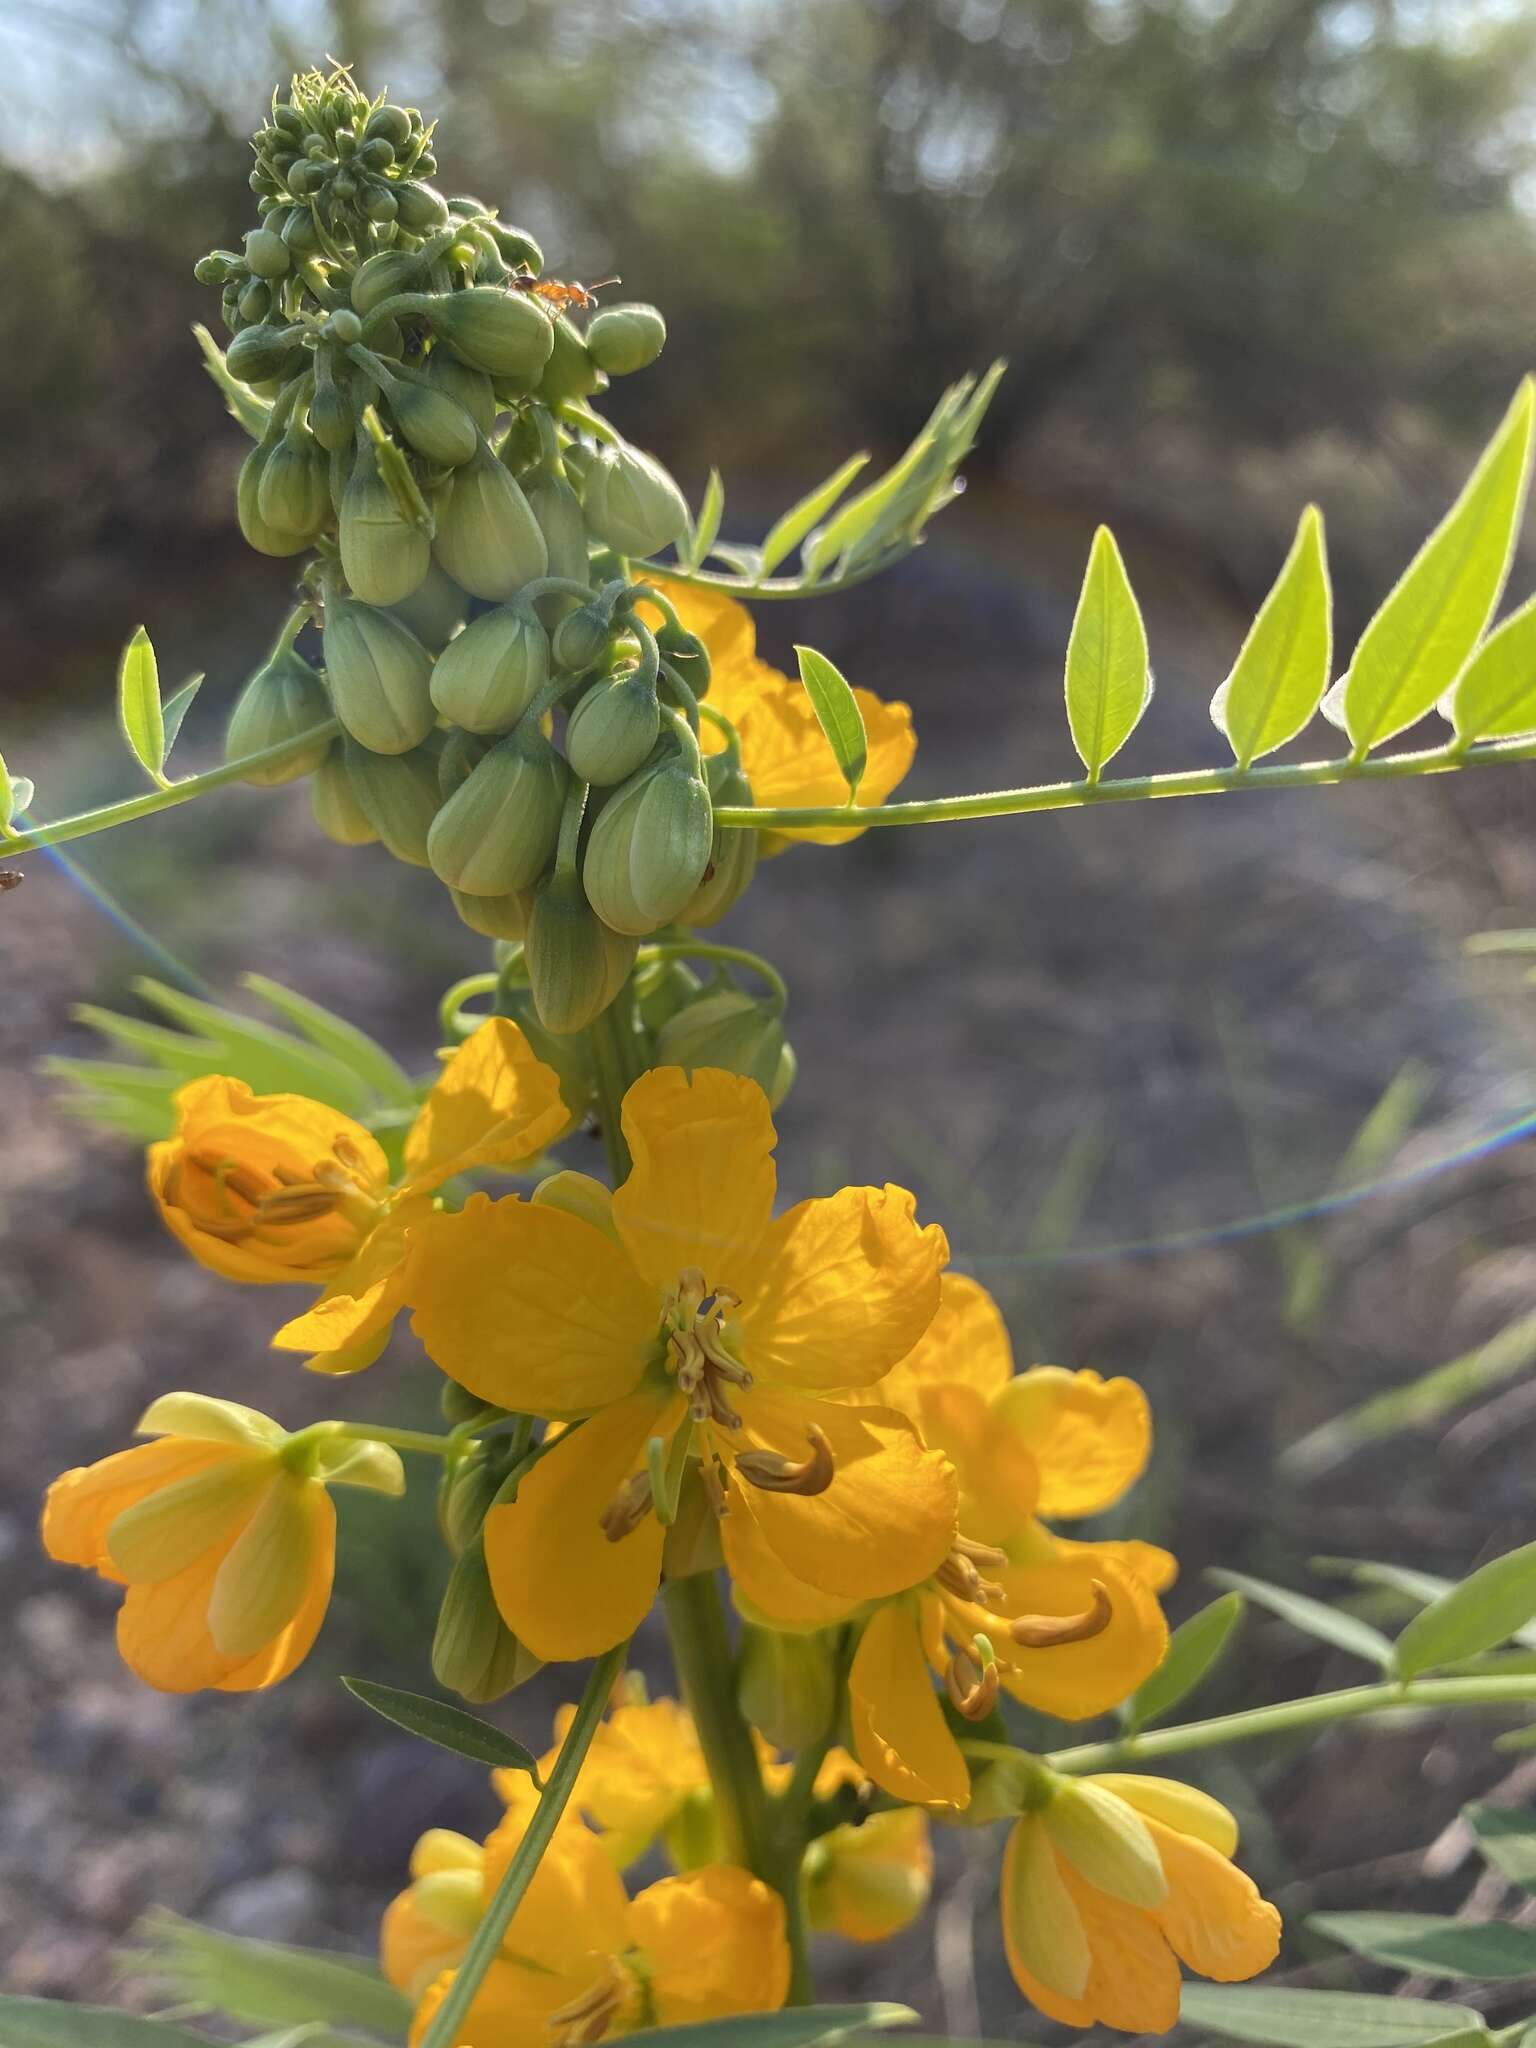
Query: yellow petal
[711, 1944]
[1076, 1680]
[574, 1912]
[209, 1420]
[885, 1523]
[494, 1104]
[83, 1504]
[162, 1631]
[1214, 1918]
[167, 1530]
[841, 1290]
[1089, 1437]
[293, 1642]
[724, 625]
[1155, 1567]
[413, 1949]
[764, 1589]
[899, 1732]
[966, 1345]
[645, 1761]
[263, 1580]
[530, 1307]
[873, 1879]
[1043, 1932]
[441, 1849]
[348, 1327]
[1133, 1980]
[563, 1588]
[1182, 1807]
[510, 2009]
[1107, 1842]
[701, 1190]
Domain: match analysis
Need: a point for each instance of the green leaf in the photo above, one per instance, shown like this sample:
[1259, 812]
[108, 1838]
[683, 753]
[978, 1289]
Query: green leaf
[787, 533]
[176, 709]
[1434, 1944]
[1496, 697]
[1282, 666]
[706, 529]
[448, 1726]
[837, 713]
[286, 1064]
[265, 1983]
[252, 412]
[1108, 682]
[1344, 1631]
[341, 1040]
[23, 793]
[1483, 1610]
[1192, 1650]
[1506, 1835]
[1328, 2019]
[1424, 633]
[138, 706]
[45, 2023]
[799, 2027]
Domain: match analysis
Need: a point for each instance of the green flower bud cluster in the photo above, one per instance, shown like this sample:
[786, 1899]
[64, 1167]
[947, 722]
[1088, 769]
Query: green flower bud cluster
[420, 406]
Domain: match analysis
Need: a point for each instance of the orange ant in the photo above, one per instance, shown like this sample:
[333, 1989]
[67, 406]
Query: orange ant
[557, 297]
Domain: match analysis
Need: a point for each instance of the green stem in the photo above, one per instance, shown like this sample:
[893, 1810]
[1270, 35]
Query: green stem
[765, 588]
[422, 1440]
[1066, 796]
[454, 999]
[609, 1039]
[508, 1895]
[102, 820]
[706, 949]
[1419, 1694]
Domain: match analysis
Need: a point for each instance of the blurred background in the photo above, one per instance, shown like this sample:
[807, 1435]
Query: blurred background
[1238, 255]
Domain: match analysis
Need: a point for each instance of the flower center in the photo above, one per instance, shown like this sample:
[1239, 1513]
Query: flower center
[693, 1322]
[588, 2017]
[971, 1677]
[249, 1202]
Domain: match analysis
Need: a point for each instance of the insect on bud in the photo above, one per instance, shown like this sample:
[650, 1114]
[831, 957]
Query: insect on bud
[630, 501]
[622, 339]
[487, 538]
[486, 678]
[575, 963]
[380, 676]
[497, 833]
[282, 699]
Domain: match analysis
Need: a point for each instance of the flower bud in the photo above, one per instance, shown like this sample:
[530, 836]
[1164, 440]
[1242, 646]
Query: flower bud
[267, 253]
[503, 333]
[487, 539]
[384, 555]
[292, 496]
[786, 1685]
[467, 1492]
[255, 302]
[399, 795]
[330, 417]
[474, 1653]
[692, 1835]
[300, 233]
[460, 752]
[380, 676]
[729, 1029]
[733, 855]
[435, 610]
[383, 277]
[486, 678]
[420, 207]
[265, 538]
[260, 353]
[334, 802]
[631, 502]
[613, 729]
[558, 510]
[519, 251]
[666, 987]
[497, 833]
[622, 339]
[575, 963]
[494, 917]
[579, 640]
[471, 387]
[436, 425]
[570, 372]
[650, 846]
[392, 123]
[284, 698]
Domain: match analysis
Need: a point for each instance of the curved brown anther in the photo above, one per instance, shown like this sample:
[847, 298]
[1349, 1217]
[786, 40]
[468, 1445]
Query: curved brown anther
[1050, 1631]
[714, 1488]
[958, 1574]
[981, 1553]
[588, 2017]
[971, 1685]
[628, 1508]
[775, 1473]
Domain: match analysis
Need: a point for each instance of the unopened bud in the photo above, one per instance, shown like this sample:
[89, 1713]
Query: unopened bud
[435, 610]
[420, 207]
[1106, 1841]
[487, 538]
[630, 501]
[284, 698]
[649, 847]
[558, 510]
[469, 387]
[729, 1029]
[380, 676]
[467, 1492]
[494, 917]
[575, 963]
[497, 833]
[399, 793]
[786, 1685]
[474, 1653]
[435, 424]
[579, 640]
[733, 853]
[613, 729]
[486, 678]
[569, 371]
[503, 333]
[622, 339]
[383, 277]
[384, 555]
[334, 801]
[292, 496]
[267, 253]
[259, 533]
[257, 354]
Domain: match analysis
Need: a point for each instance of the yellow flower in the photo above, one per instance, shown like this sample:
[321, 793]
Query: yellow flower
[693, 1311]
[784, 751]
[1068, 1628]
[643, 1769]
[581, 1962]
[1112, 1884]
[866, 1881]
[269, 1188]
[223, 1534]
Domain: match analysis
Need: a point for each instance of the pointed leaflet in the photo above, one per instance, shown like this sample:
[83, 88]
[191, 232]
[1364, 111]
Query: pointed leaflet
[1108, 682]
[176, 709]
[706, 529]
[1192, 1649]
[837, 713]
[448, 1726]
[262, 1983]
[1485, 1609]
[341, 1040]
[1424, 633]
[1328, 2019]
[1433, 1944]
[1506, 1836]
[1282, 668]
[1344, 1631]
[1496, 697]
[787, 532]
[138, 706]
[45, 2023]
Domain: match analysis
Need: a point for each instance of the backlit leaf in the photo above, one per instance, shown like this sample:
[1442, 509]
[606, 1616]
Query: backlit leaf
[1329, 1624]
[837, 713]
[264, 1983]
[1282, 668]
[139, 711]
[1496, 697]
[786, 533]
[1108, 682]
[706, 529]
[1192, 1650]
[176, 709]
